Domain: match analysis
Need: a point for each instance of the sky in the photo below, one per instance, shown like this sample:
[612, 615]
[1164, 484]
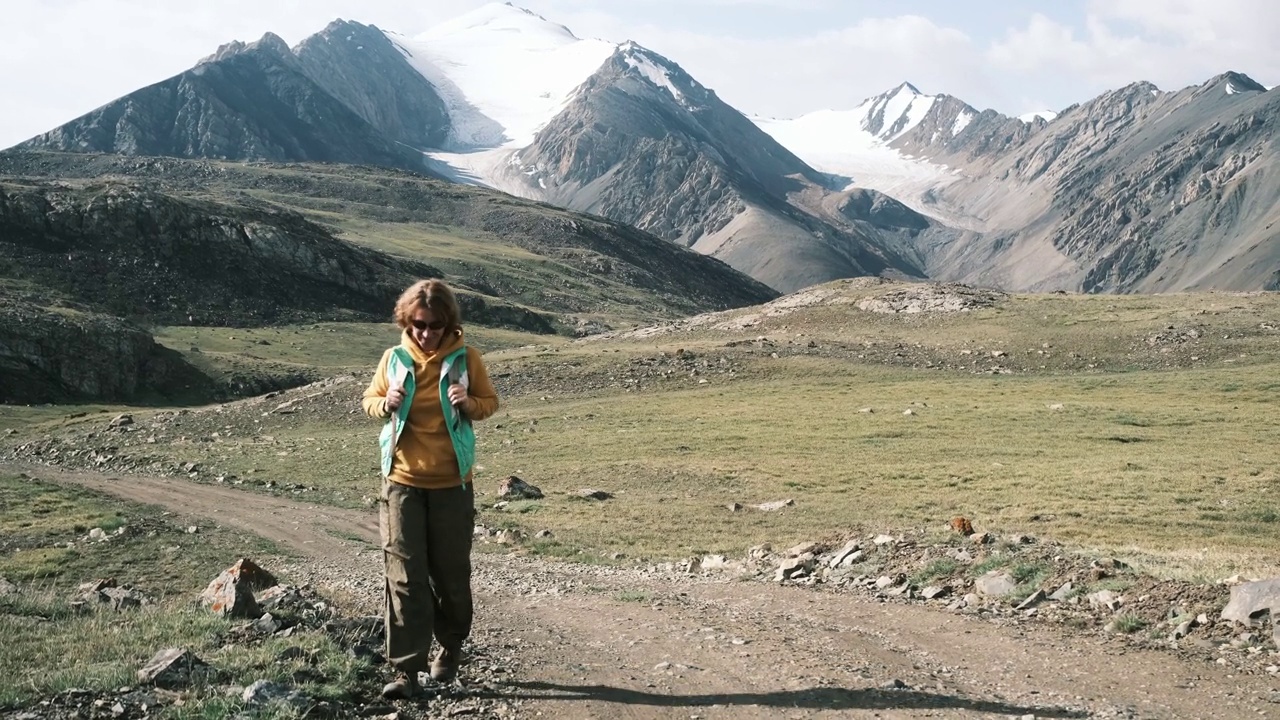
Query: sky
[775, 58]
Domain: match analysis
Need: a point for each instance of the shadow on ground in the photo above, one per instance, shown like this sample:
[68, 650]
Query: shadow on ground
[812, 698]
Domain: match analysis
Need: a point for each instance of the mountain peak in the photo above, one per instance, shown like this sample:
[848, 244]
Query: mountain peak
[906, 86]
[1234, 82]
[269, 42]
[500, 17]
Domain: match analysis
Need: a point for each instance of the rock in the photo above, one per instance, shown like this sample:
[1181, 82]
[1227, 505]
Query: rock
[884, 540]
[592, 494]
[172, 668]
[1020, 540]
[1251, 599]
[981, 538]
[97, 534]
[7, 588]
[265, 692]
[280, 597]
[733, 507]
[839, 557]
[231, 593]
[266, 625]
[513, 488]
[1105, 599]
[962, 525]
[804, 548]
[995, 584]
[934, 592]
[793, 567]
[1031, 600]
[1062, 593]
[543, 534]
[120, 421]
[775, 505]
[713, 562]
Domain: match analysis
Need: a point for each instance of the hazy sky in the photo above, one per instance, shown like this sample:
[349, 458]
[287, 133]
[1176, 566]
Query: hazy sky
[62, 58]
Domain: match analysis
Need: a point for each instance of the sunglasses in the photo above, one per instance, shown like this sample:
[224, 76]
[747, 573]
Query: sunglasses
[434, 325]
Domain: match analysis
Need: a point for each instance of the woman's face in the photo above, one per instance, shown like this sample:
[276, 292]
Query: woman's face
[426, 329]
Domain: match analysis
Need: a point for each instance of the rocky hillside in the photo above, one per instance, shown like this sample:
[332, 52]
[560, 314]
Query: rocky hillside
[335, 101]
[139, 253]
[602, 256]
[1138, 190]
[59, 356]
[644, 143]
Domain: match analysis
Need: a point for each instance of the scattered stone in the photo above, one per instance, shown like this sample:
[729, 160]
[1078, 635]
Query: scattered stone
[120, 421]
[513, 488]
[1063, 593]
[981, 538]
[7, 588]
[172, 668]
[1031, 600]
[884, 540]
[995, 584]
[841, 557]
[794, 567]
[265, 692]
[592, 494]
[1105, 599]
[1249, 600]
[962, 525]
[933, 592]
[776, 505]
[733, 507]
[231, 593]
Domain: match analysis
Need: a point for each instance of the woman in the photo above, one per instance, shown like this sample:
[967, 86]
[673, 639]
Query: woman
[428, 389]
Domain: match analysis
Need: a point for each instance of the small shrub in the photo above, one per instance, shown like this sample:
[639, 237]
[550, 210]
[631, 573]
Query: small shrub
[942, 567]
[1129, 623]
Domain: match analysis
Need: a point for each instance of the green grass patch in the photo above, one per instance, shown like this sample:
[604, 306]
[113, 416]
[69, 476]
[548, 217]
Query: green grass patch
[50, 646]
[1128, 623]
[942, 567]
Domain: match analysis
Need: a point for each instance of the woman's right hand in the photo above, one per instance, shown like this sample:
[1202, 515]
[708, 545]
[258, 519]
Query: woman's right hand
[395, 396]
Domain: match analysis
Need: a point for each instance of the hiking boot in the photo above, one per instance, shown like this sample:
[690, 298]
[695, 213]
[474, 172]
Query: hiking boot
[445, 667]
[405, 686]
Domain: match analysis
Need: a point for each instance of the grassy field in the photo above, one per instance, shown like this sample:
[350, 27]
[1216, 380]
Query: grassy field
[50, 647]
[1138, 426]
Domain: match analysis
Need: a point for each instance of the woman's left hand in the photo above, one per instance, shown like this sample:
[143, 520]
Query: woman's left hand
[457, 395]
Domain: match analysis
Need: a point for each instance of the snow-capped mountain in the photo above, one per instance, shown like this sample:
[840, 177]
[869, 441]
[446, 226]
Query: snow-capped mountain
[1138, 189]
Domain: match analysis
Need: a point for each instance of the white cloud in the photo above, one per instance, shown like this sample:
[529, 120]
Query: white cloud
[1173, 43]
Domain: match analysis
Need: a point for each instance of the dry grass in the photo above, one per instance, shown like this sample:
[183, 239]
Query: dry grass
[1139, 426]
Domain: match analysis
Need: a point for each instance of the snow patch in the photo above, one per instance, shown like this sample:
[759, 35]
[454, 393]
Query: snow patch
[962, 122]
[1046, 115]
[503, 72]
[837, 143]
[656, 75]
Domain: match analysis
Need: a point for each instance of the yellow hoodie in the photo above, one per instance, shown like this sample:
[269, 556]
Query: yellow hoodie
[424, 456]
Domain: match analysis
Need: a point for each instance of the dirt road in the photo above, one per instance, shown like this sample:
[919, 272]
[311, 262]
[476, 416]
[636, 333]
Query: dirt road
[585, 642]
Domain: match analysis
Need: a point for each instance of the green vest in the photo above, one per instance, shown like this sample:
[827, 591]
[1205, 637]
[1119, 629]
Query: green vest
[453, 369]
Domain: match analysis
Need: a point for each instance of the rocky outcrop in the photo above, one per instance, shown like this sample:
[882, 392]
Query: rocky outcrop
[142, 254]
[65, 355]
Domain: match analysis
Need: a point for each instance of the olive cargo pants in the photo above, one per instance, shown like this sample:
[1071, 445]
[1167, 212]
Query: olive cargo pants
[426, 550]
